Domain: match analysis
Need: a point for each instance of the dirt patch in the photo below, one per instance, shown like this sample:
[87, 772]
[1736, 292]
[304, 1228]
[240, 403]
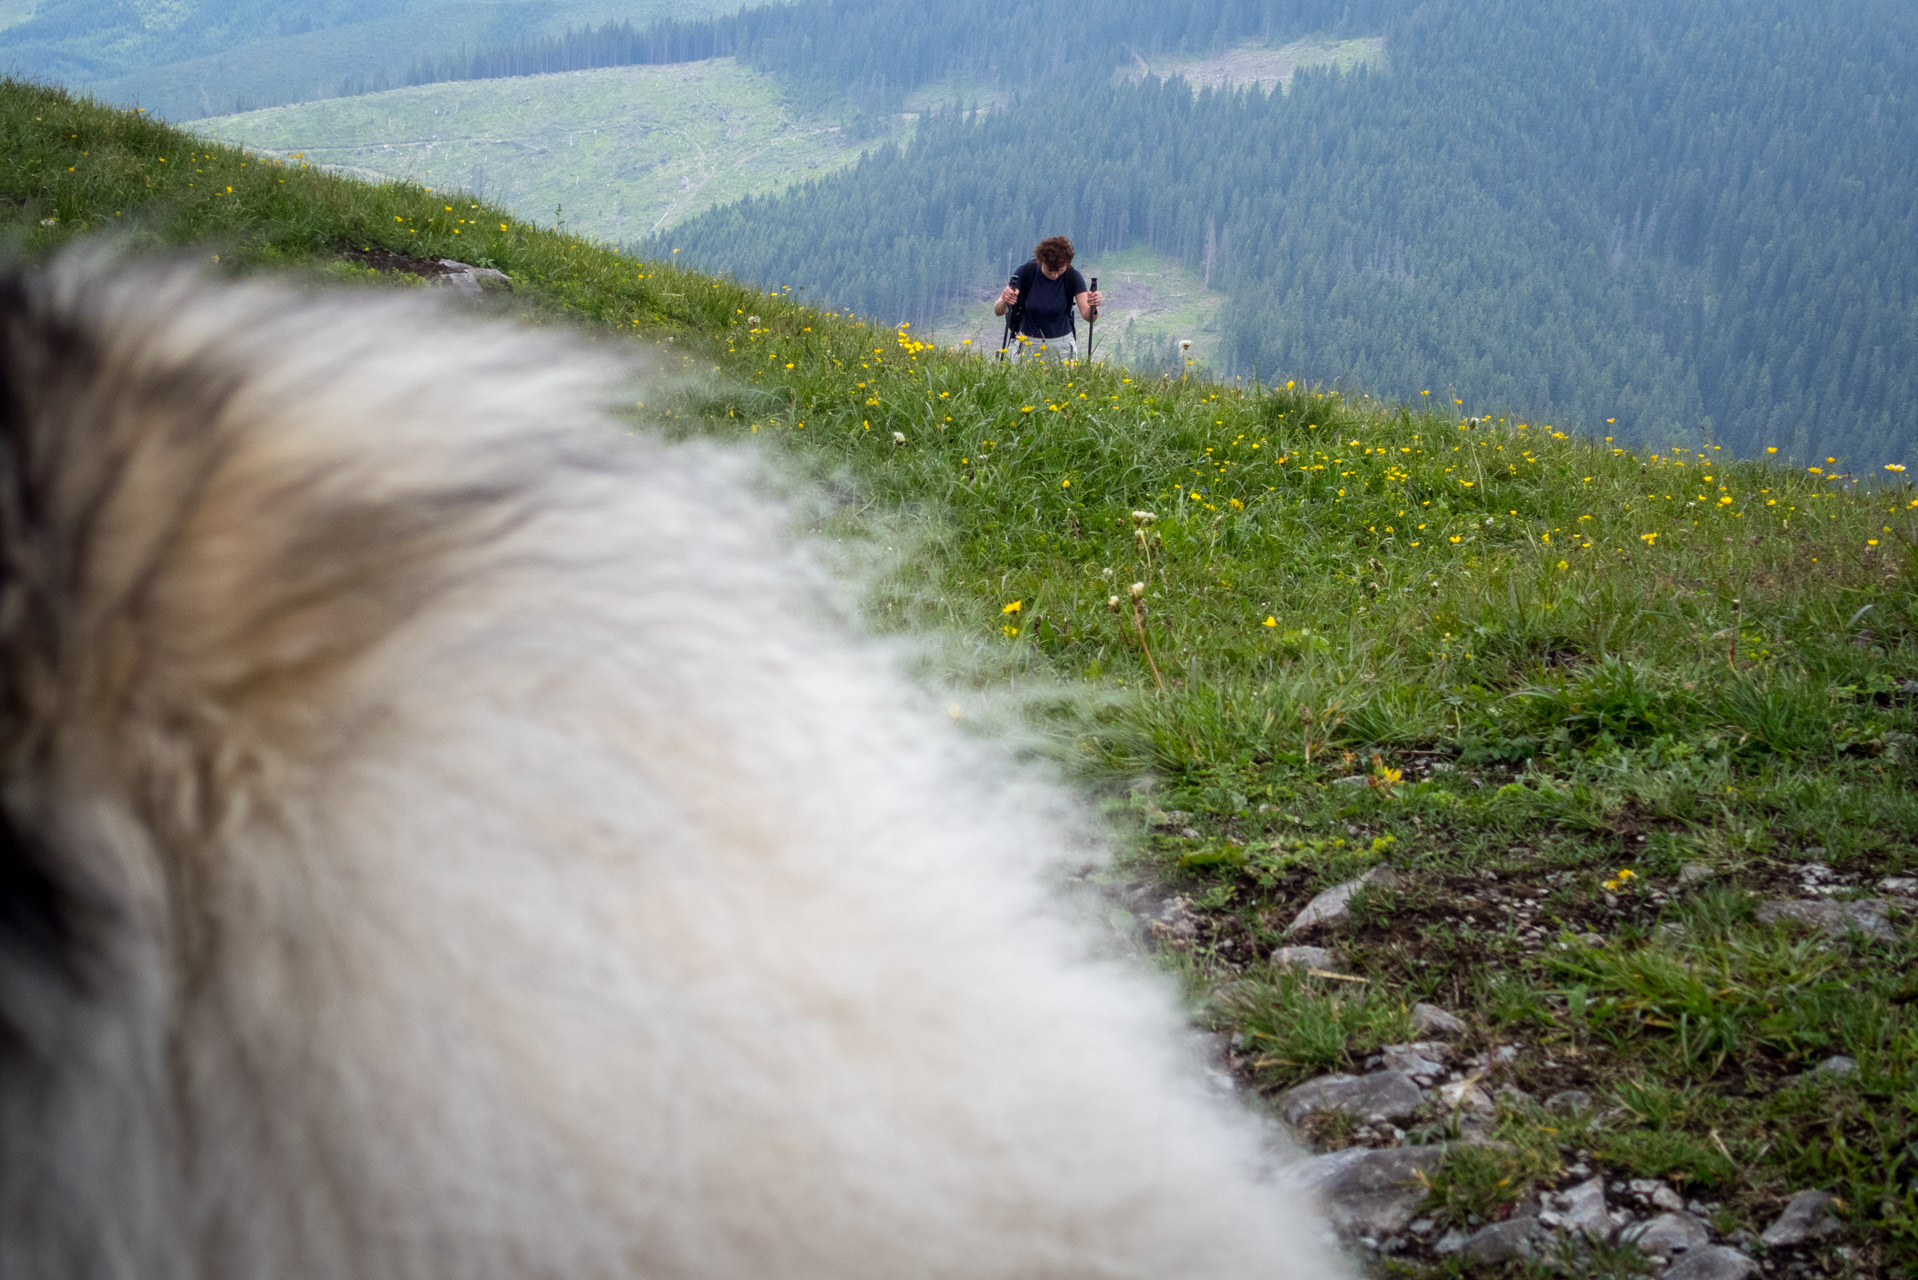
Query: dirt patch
[395, 263]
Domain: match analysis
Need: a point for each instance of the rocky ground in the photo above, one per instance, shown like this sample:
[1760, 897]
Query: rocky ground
[1405, 1139]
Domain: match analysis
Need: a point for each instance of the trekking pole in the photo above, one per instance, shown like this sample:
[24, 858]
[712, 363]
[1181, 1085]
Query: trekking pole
[1012, 319]
[1092, 323]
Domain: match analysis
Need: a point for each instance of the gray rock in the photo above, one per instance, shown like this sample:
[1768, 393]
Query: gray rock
[1465, 1095]
[1660, 1195]
[1694, 872]
[1836, 1067]
[1869, 916]
[1370, 1099]
[1583, 1210]
[1364, 1191]
[1502, 1241]
[1451, 1242]
[1711, 1262]
[1420, 1058]
[1430, 1020]
[1568, 1100]
[1336, 902]
[1667, 1235]
[1807, 1217]
[1351, 780]
[1899, 884]
[1305, 958]
[470, 279]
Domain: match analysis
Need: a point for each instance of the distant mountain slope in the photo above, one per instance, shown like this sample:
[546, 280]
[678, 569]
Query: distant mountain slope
[1659, 222]
[627, 151]
[211, 57]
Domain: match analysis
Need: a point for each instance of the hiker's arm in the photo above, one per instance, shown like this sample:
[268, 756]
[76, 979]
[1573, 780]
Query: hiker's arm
[1007, 296]
[1088, 301]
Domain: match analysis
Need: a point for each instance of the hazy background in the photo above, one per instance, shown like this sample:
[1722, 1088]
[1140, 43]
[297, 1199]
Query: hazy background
[1668, 222]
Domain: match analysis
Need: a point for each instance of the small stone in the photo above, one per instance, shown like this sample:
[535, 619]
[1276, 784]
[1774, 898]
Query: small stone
[1693, 872]
[1305, 958]
[1335, 903]
[1430, 1020]
[1583, 1208]
[1370, 1099]
[1667, 1235]
[1465, 1095]
[1591, 939]
[1836, 1067]
[1350, 780]
[1451, 1242]
[1503, 1241]
[1505, 1053]
[1869, 916]
[1899, 884]
[1509, 1095]
[1420, 1058]
[1711, 1262]
[1366, 1191]
[1663, 1197]
[1568, 1100]
[1807, 1217]
[1422, 1226]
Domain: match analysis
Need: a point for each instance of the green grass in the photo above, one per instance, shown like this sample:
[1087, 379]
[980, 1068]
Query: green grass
[627, 151]
[1536, 661]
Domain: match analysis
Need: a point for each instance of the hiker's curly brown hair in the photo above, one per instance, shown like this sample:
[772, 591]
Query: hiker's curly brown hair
[1054, 253]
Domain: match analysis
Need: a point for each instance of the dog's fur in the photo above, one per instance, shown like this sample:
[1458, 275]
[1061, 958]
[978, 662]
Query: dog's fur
[443, 837]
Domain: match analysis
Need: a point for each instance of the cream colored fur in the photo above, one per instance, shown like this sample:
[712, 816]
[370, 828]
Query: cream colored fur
[470, 849]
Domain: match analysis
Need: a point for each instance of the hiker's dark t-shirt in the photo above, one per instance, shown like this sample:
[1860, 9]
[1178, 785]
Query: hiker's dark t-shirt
[1049, 303]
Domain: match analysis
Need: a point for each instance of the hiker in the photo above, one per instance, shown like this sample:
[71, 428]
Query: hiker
[1041, 298]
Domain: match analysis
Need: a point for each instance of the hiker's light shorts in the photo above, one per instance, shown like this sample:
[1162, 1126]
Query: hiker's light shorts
[1063, 348]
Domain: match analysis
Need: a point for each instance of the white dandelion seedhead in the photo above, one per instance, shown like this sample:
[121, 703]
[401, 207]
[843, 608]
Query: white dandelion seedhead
[1185, 344]
[1138, 591]
[899, 437]
[1143, 517]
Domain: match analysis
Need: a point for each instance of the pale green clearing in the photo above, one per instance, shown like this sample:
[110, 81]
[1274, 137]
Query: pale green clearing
[1153, 302]
[1262, 65]
[616, 154]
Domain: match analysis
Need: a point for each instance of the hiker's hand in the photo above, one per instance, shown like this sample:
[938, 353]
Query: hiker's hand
[1095, 299]
[1008, 296]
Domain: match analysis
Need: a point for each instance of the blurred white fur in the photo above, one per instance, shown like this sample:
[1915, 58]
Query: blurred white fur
[446, 837]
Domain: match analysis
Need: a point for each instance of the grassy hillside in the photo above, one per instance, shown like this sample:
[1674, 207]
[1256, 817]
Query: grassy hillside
[376, 53]
[628, 151]
[1596, 706]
